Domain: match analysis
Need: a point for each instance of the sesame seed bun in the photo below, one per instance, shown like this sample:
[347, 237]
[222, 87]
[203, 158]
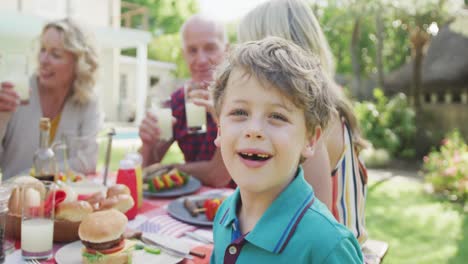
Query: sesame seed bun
[102, 226]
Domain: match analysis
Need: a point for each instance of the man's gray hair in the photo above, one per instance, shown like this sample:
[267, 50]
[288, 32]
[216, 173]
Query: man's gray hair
[219, 26]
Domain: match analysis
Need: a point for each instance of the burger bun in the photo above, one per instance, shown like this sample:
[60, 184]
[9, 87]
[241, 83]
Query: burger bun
[102, 226]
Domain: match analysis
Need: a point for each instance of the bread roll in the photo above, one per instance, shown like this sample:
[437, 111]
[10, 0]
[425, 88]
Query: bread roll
[117, 189]
[121, 202]
[107, 203]
[96, 199]
[124, 203]
[104, 226]
[15, 202]
[73, 211]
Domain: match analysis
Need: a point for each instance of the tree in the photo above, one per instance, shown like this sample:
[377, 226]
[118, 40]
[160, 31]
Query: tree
[167, 16]
[165, 19]
[417, 17]
[356, 33]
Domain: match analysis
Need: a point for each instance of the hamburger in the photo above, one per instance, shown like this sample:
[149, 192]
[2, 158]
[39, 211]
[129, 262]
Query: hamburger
[102, 236]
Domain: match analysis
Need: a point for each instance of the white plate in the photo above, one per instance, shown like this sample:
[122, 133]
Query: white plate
[71, 254]
[87, 187]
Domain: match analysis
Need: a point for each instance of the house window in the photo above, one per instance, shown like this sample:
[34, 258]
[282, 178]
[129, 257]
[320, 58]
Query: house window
[440, 97]
[154, 80]
[427, 98]
[456, 98]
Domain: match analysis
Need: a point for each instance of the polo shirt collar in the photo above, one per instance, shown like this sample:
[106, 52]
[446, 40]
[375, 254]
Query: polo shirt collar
[286, 210]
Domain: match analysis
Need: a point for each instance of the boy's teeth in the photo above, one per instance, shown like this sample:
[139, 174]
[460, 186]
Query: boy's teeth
[262, 156]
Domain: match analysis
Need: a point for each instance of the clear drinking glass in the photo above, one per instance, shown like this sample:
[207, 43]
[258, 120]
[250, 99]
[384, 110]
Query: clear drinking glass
[161, 108]
[196, 115]
[37, 220]
[5, 192]
[15, 68]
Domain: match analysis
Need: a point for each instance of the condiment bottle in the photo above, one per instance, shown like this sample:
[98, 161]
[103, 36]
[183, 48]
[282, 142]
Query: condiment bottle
[138, 160]
[126, 175]
[44, 162]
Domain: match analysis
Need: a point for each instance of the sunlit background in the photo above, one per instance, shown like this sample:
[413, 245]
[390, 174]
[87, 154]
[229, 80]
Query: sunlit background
[227, 10]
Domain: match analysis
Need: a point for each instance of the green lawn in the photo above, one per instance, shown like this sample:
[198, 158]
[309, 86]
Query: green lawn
[418, 227]
[174, 155]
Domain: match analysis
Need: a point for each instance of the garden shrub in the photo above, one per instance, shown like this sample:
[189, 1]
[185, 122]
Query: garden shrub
[446, 169]
[388, 123]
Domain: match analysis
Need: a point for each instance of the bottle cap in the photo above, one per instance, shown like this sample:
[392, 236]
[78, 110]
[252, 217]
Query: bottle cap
[44, 123]
[126, 164]
[135, 157]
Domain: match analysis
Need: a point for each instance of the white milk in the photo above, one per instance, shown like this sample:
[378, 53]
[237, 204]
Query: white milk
[21, 86]
[196, 115]
[164, 116]
[37, 235]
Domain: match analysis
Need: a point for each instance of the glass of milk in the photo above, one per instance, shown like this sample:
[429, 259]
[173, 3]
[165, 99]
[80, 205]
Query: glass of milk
[195, 114]
[37, 220]
[161, 108]
[15, 68]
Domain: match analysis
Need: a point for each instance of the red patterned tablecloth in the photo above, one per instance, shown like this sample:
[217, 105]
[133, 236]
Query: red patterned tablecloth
[158, 221]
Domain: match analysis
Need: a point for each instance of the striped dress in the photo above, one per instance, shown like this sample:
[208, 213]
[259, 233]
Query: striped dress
[349, 180]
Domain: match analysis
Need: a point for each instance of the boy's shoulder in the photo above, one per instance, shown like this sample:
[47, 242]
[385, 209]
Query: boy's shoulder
[318, 232]
[319, 221]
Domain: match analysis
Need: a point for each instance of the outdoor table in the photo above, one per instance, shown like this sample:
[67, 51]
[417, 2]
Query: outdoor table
[153, 210]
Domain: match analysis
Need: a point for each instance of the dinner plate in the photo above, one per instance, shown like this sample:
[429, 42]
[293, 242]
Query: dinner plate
[191, 186]
[177, 210]
[71, 254]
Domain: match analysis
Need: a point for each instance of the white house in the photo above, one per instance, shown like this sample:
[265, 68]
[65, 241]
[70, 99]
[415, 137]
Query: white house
[161, 84]
[21, 22]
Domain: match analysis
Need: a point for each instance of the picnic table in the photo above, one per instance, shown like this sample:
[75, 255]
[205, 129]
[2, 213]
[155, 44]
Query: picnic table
[153, 217]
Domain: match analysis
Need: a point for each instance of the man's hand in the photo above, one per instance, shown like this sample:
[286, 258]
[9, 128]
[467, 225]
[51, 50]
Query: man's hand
[149, 131]
[9, 99]
[202, 97]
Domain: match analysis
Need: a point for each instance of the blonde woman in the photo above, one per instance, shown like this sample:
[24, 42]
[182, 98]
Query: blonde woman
[334, 171]
[62, 90]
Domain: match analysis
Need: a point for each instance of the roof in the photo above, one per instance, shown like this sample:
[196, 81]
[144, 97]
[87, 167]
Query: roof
[444, 66]
[19, 31]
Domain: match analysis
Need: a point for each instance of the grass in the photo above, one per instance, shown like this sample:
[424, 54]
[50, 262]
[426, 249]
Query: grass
[418, 227]
[174, 155]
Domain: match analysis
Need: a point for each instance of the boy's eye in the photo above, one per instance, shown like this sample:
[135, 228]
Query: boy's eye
[238, 112]
[278, 116]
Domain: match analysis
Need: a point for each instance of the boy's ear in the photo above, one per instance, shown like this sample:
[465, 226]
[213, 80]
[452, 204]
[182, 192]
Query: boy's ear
[217, 140]
[308, 150]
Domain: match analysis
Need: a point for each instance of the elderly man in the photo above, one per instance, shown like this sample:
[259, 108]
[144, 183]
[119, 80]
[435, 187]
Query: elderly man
[204, 44]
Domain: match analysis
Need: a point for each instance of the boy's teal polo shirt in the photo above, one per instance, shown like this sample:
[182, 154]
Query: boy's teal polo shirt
[296, 228]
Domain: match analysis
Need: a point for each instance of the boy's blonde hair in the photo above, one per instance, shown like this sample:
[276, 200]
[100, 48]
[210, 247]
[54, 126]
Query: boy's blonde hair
[286, 67]
[82, 47]
[293, 20]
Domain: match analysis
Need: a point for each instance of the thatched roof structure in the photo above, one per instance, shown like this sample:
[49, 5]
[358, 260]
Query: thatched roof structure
[445, 65]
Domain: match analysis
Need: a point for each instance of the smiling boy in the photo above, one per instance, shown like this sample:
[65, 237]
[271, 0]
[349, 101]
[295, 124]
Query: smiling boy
[272, 102]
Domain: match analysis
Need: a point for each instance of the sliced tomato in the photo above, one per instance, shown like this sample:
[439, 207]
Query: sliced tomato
[108, 251]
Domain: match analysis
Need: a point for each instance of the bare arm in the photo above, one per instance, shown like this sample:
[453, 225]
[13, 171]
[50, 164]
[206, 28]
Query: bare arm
[154, 154]
[211, 172]
[318, 168]
[8, 103]
[317, 173]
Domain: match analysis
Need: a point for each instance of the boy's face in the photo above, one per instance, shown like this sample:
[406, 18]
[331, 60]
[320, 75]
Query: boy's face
[262, 135]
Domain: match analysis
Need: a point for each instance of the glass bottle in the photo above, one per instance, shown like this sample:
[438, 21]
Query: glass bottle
[44, 162]
[61, 152]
